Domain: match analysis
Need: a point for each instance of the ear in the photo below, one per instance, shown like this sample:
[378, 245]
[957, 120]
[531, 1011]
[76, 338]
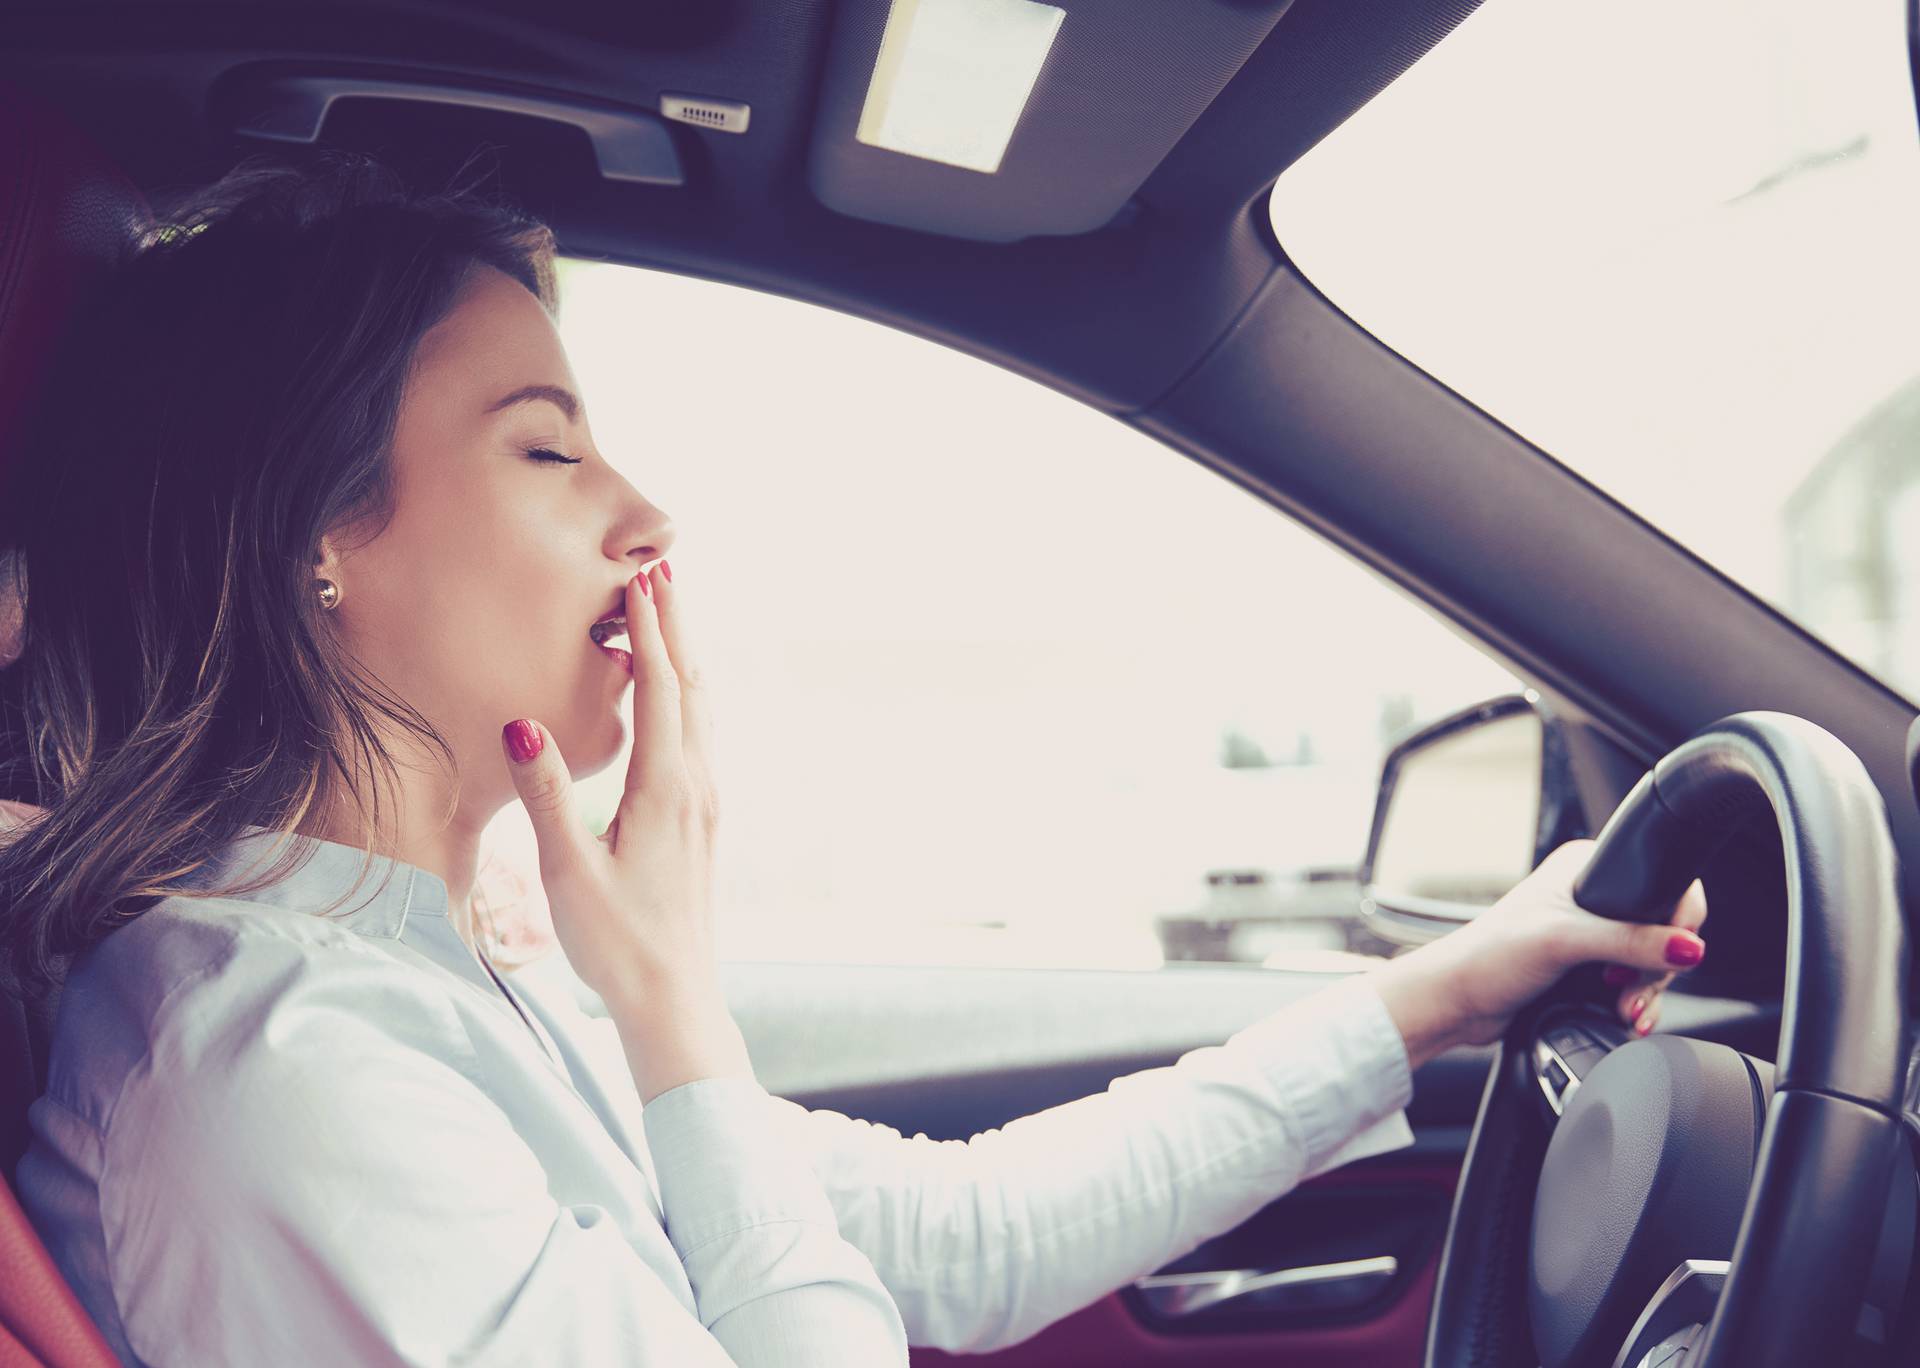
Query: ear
[328, 561]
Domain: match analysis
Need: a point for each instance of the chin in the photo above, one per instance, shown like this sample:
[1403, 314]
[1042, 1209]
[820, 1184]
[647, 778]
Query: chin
[593, 743]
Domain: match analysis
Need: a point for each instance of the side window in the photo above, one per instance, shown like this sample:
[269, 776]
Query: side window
[996, 679]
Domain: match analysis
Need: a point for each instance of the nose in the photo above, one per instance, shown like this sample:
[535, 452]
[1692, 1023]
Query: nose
[642, 534]
[654, 548]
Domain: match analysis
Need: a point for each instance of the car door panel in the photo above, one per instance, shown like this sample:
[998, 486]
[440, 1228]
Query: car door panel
[1342, 1212]
[951, 1052]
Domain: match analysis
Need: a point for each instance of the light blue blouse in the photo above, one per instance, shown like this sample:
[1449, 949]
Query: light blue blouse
[273, 1137]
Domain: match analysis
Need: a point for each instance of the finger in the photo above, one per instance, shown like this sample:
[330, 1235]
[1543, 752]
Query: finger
[696, 721]
[1636, 994]
[540, 778]
[1655, 949]
[1689, 913]
[1625, 976]
[657, 750]
[1649, 1017]
[1691, 910]
[1565, 861]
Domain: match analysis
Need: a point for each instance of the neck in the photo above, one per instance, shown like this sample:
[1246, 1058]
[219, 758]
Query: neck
[417, 833]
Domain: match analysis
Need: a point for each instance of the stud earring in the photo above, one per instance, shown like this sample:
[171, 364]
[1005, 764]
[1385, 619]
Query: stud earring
[329, 593]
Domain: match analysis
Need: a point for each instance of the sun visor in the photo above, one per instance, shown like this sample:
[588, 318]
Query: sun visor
[1001, 119]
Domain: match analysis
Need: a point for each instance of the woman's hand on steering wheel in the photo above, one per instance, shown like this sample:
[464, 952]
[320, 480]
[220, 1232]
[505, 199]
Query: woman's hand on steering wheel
[1467, 986]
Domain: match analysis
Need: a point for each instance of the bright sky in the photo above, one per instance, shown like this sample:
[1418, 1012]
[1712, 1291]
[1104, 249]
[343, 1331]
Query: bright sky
[1671, 241]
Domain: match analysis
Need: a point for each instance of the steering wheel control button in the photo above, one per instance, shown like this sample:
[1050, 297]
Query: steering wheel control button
[1566, 1039]
[1647, 1169]
[1562, 1038]
[1582, 1060]
[1564, 1053]
[1558, 1081]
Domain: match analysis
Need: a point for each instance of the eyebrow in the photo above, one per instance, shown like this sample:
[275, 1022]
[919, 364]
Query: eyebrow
[553, 394]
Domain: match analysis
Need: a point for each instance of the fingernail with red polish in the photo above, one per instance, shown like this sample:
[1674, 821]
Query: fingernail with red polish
[1617, 976]
[523, 739]
[666, 570]
[1684, 949]
[646, 584]
[1642, 1027]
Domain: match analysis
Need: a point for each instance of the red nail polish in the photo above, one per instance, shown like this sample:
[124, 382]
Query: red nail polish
[1639, 1006]
[1683, 949]
[1642, 1027]
[666, 570]
[523, 739]
[646, 585]
[1617, 976]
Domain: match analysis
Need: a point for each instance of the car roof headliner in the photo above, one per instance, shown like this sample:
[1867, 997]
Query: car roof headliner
[1115, 316]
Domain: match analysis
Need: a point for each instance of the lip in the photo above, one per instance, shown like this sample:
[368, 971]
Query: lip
[624, 659]
[619, 596]
[618, 608]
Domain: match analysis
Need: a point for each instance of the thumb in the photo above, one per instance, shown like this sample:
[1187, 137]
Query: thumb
[1661, 948]
[540, 778]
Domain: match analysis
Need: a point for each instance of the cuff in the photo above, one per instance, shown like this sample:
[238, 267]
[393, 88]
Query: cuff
[1340, 1069]
[721, 1168]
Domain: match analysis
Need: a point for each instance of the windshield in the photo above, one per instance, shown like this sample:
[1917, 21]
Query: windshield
[1675, 243]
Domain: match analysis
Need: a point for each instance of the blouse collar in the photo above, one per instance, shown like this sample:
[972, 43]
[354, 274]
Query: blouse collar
[375, 894]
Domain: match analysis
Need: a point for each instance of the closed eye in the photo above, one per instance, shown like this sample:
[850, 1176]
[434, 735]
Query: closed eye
[546, 456]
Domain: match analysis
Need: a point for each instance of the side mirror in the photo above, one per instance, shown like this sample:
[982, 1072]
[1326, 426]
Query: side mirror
[1467, 807]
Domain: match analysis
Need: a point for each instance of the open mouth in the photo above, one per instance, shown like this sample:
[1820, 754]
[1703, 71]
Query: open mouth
[610, 636]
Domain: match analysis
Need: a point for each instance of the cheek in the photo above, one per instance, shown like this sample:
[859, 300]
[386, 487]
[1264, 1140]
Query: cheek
[439, 611]
[483, 556]
[523, 605]
[514, 608]
[484, 593]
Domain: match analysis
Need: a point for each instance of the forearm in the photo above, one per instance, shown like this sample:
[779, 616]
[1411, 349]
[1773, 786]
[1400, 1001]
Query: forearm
[1419, 993]
[772, 1277]
[984, 1241]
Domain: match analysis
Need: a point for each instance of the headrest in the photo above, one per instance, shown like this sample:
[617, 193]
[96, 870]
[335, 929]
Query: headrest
[68, 214]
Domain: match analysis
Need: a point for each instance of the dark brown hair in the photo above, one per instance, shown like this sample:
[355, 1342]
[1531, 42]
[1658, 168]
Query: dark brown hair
[226, 398]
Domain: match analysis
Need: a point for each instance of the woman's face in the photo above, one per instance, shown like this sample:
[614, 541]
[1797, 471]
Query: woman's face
[474, 603]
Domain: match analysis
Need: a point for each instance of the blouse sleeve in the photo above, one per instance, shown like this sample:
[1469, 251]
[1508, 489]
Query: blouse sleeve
[306, 1171]
[984, 1242]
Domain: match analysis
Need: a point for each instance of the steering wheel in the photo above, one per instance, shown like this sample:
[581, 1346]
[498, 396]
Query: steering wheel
[1666, 1201]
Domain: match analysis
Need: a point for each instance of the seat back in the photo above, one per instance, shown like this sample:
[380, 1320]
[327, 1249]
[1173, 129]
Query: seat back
[41, 1321]
[25, 1028]
[68, 215]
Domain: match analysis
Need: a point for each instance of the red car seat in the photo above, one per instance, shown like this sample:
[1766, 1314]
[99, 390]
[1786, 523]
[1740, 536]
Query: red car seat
[67, 216]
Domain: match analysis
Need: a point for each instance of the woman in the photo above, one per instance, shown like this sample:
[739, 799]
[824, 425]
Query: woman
[316, 542]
